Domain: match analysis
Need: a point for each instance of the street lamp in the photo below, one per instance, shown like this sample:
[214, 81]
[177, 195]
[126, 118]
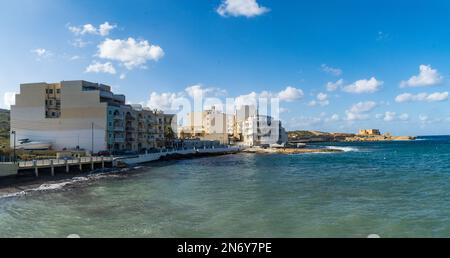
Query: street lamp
[14, 157]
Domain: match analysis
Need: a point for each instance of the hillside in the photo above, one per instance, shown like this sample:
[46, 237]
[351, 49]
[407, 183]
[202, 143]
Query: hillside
[316, 136]
[4, 128]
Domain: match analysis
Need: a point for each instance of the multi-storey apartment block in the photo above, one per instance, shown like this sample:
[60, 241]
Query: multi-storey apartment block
[210, 125]
[84, 115]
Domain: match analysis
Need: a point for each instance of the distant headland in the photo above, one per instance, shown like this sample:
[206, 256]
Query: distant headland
[365, 135]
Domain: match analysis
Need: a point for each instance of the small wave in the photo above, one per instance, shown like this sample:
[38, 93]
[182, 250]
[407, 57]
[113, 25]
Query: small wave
[62, 184]
[344, 149]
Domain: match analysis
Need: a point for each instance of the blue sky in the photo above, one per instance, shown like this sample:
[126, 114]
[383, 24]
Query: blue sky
[386, 62]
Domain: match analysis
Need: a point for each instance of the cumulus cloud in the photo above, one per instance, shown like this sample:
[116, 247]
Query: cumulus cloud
[198, 91]
[9, 99]
[389, 116]
[425, 97]
[333, 118]
[247, 8]
[427, 77]
[290, 94]
[333, 86]
[130, 52]
[79, 43]
[97, 67]
[163, 101]
[41, 53]
[360, 110]
[103, 30]
[321, 100]
[331, 70]
[404, 117]
[364, 86]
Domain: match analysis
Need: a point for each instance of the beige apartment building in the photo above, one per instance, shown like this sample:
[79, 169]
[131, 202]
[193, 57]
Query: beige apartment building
[85, 115]
[209, 125]
[244, 127]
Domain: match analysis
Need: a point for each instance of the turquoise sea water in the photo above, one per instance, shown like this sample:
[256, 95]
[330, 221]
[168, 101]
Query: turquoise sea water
[395, 189]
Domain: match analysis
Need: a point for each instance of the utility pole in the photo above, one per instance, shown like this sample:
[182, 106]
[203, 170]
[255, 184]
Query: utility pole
[92, 153]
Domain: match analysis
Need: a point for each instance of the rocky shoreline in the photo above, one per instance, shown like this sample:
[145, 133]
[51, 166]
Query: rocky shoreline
[290, 151]
[316, 136]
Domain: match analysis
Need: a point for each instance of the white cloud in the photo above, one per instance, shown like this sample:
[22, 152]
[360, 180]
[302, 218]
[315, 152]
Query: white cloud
[404, 117]
[97, 67]
[290, 94]
[163, 101]
[73, 58]
[389, 116]
[123, 76]
[333, 86]
[364, 86]
[103, 30]
[198, 91]
[333, 118]
[249, 99]
[9, 99]
[79, 43]
[247, 8]
[41, 53]
[434, 97]
[360, 110]
[424, 118]
[130, 52]
[321, 100]
[331, 70]
[427, 77]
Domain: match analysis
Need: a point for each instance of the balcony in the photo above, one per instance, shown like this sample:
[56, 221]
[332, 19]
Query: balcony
[119, 140]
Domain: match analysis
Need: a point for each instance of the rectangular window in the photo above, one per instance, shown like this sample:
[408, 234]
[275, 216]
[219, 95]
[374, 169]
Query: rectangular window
[50, 91]
[58, 91]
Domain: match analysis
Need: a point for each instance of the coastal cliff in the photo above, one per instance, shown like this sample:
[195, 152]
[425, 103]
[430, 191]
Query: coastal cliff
[316, 136]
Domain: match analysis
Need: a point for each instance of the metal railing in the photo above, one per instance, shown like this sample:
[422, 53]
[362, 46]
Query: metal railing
[61, 162]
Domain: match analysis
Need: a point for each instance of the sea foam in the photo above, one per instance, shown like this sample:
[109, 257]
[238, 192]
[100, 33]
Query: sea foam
[342, 148]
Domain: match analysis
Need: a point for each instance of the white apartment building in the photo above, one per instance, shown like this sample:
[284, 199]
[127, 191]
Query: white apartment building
[263, 131]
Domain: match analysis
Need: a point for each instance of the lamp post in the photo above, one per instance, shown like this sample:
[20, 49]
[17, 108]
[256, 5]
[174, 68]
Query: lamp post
[14, 150]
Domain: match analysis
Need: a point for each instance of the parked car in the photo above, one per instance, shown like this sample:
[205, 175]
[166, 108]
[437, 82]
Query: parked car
[104, 153]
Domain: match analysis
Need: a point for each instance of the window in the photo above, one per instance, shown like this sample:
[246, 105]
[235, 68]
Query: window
[50, 91]
[58, 91]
